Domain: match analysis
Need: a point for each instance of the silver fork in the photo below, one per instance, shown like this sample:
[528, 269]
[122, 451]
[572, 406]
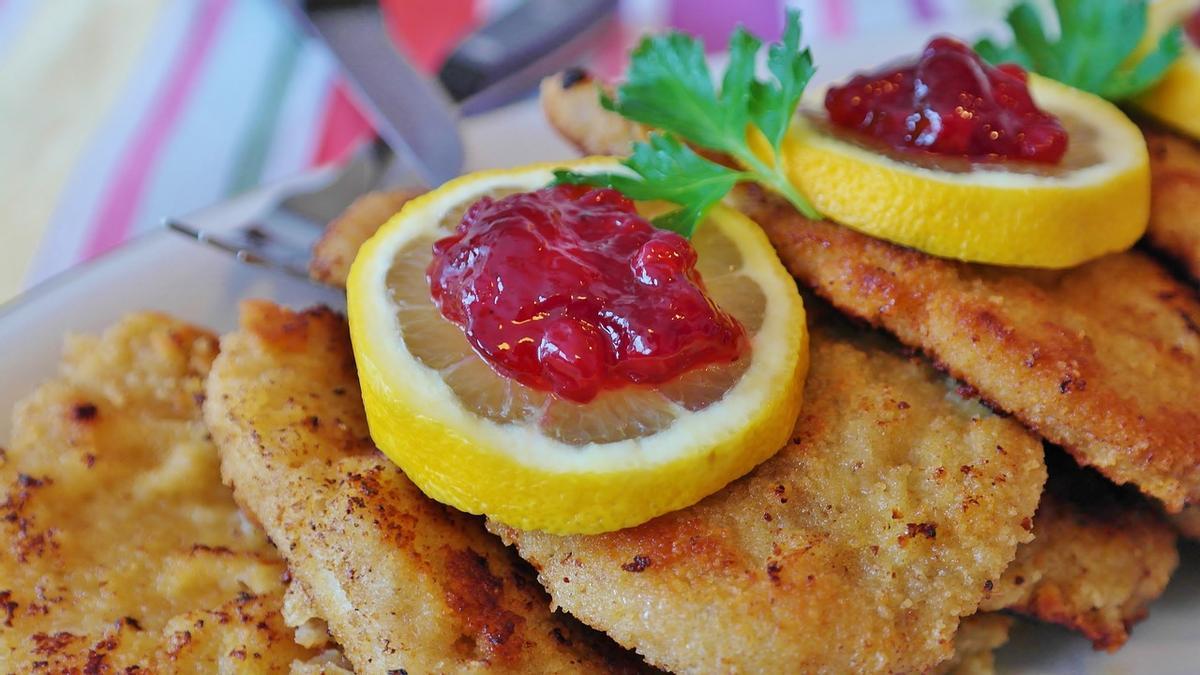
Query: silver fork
[282, 237]
[419, 143]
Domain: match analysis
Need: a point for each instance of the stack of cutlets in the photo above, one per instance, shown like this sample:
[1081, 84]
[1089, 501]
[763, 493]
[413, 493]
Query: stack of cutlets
[907, 500]
[1010, 442]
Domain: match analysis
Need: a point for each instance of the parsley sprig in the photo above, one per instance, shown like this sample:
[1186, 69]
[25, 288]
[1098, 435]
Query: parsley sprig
[1093, 49]
[669, 87]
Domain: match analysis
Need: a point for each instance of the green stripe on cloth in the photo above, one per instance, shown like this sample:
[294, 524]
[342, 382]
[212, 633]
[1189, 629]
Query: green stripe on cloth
[256, 143]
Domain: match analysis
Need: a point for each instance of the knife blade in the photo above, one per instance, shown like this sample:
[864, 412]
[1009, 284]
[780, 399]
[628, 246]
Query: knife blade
[413, 115]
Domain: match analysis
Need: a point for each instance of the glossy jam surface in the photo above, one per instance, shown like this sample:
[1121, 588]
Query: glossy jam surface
[950, 102]
[569, 290]
[1192, 28]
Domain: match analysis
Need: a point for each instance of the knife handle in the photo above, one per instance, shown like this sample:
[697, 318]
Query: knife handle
[518, 48]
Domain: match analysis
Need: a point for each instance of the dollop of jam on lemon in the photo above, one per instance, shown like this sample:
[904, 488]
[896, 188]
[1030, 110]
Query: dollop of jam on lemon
[950, 102]
[1191, 27]
[568, 290]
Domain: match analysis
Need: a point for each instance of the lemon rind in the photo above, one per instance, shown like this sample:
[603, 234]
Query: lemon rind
[1175, 101]
[707, 448]
[990, 216]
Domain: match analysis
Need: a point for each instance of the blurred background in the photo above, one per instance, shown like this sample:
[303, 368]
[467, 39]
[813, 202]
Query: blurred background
[117, 113]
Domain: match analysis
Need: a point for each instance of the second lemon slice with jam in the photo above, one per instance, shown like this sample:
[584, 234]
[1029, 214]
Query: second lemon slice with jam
[1175, 100]
[484, 443]
[1096, 201]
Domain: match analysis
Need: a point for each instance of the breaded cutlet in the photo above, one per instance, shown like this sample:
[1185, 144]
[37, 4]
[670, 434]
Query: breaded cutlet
[1102, 359]
[403, 583]
[335, 250]
[123, 551]
[1100, 555]
[857, 548]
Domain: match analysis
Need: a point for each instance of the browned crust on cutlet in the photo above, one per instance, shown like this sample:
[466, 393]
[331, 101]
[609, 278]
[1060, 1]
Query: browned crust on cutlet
[335, 250]
[1175, 197]
[1103, 359]
[856, 548]
[401, 581]
[122, 549]
[1100, 555]
[568, 103]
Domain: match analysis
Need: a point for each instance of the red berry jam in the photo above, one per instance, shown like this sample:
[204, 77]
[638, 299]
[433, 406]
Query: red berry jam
[949, 102]
[1192, 27]
[569, 290]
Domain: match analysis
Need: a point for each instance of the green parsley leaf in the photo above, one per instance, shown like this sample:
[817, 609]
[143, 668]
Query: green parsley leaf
[664, 168]
[1093, 49]
[669, 87]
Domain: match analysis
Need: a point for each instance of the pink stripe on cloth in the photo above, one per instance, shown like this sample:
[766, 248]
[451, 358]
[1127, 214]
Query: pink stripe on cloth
[115, 216]
[343, 125]
[926, 10]
[713, 22]
[837, 17]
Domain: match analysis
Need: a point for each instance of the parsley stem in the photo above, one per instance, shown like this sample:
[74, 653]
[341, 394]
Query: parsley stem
[775, 178]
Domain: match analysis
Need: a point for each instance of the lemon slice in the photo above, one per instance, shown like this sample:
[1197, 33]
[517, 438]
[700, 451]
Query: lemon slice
[1096, 202]
[486, 444]
[1175, 100]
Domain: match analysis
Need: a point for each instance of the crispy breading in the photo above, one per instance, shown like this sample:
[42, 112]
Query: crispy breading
[335, 250]
[1175, 194]
[857, 548]
[979, 635]
[123, 548]
[569, 101]
[1100, 555]
[1102, 359]
[402, 581]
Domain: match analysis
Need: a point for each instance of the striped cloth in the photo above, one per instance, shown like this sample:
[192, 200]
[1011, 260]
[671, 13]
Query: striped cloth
[117, 113]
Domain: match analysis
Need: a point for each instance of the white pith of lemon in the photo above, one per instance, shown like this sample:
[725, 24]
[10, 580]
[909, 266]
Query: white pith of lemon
[485, 444]
[1097, 202]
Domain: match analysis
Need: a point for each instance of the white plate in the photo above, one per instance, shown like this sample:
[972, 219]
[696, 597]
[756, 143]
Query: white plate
[166, 272]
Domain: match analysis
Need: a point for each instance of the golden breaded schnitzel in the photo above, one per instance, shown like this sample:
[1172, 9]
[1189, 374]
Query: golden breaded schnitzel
[404, 583]
[1175, 191]
[857, 548]
[1100, 555]
[1102, 359]
[123, 551]
[335, 250]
